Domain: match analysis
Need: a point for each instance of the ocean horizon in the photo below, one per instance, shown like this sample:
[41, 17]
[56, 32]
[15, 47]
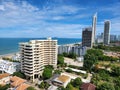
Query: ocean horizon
[11, 45]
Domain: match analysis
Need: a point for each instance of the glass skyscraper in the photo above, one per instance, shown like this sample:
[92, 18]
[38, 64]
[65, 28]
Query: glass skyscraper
[106, 32]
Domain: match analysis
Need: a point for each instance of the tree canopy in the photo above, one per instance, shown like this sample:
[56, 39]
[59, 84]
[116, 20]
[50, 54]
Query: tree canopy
[31, 88]
[108, 48]
[44, 85]
[89, 61]
[116, 71]
[47, 73]
[77, 82]
[106, 86]
[4, 87]
[60, 60]
[70, 55]
[19, 74]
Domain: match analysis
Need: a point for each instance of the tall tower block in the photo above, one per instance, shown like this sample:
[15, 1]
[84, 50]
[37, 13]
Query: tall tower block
[106, 32]
[94, 23]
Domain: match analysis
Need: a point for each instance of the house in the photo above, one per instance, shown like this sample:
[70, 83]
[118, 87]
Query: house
[62, 80]
[87, 86]
[23, 86]
[4, 78]
[18, 83]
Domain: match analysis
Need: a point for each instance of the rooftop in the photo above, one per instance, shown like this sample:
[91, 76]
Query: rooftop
[4, 75]
[17, 81]
[37, 41]
[23, 87]
[63, 78]
[87, 86]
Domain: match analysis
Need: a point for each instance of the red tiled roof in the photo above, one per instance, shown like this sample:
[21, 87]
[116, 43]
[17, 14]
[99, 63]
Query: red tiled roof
[17, 81]
[87, 86]
[4, 75]
[23, 87]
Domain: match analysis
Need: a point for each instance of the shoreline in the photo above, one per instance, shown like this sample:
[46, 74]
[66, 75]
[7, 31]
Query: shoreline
[9, 54]
[70, 44]
[12, 53]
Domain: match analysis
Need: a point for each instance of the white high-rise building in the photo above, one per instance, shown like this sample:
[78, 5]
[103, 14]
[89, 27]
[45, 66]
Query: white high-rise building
[94, 23]
[113, 38]
[72, 48]
[99, 38]
[35, 54]
[106, 32]
[118, 37]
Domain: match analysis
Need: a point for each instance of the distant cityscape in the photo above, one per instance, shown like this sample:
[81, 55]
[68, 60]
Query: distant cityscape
[43, 64]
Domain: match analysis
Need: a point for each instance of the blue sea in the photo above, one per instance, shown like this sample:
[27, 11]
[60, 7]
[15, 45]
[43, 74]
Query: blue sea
[11, 45]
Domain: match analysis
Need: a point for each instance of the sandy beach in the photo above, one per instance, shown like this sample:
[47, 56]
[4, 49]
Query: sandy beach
[9, 55]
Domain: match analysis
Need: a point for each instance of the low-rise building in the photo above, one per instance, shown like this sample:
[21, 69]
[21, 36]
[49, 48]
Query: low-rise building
[9, 67]
[18, 83]
[87, 86]
[16, 57]
[62, 80]
[4, 78]
[23, 86]
[52, 87]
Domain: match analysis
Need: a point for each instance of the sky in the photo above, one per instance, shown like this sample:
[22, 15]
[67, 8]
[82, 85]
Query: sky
[56, 18]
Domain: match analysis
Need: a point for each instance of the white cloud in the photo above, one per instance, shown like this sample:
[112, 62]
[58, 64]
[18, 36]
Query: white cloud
[49, 29]
[27, 20]
[2, 8]
[15, 14]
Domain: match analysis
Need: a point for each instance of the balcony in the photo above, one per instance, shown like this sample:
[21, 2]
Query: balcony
[28, 47]
[28, 71]
[28, 53]
[28, 50]
[28, 56]
[27, 74]
[29, 60]
[27, 68]
[28, 65]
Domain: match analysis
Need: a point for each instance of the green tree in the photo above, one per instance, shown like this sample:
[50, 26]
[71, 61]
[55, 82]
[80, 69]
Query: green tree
[116, 71]
[49, 66]
[95, 79]
[4, 87]
[108, 48]
[60, 60]
[104, 75]
[106, 86]
[65, 54]
[69, 70]
[47, 73]
[117, 83]
[89, 61]
[96, 52]
[57, 71]
[77, 82]
[42, 85]
[72, 55]
[70, 87]
[19, 74]
[31, 88]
